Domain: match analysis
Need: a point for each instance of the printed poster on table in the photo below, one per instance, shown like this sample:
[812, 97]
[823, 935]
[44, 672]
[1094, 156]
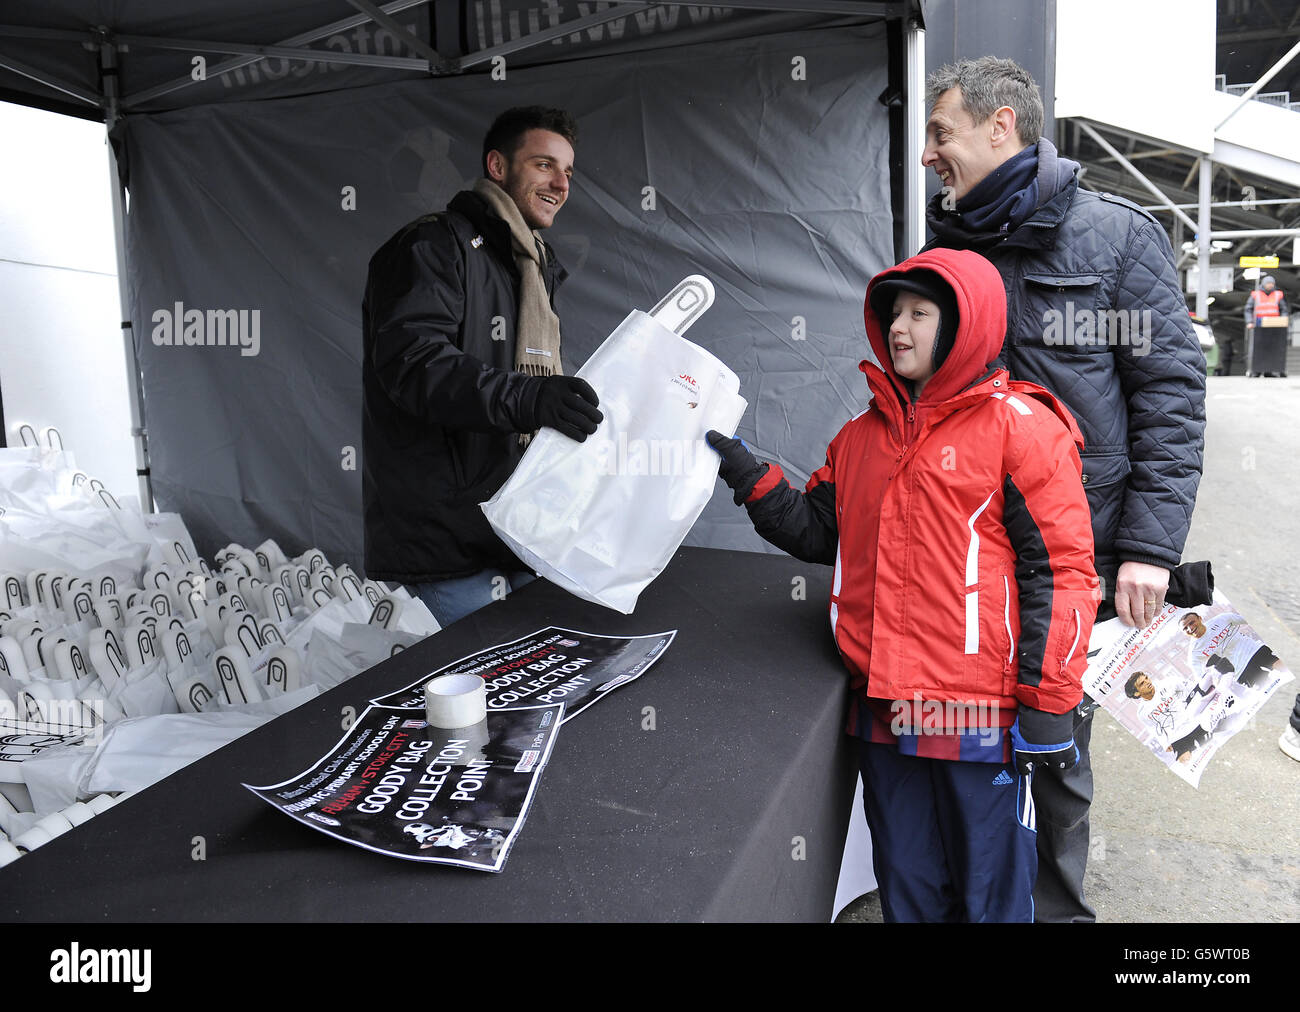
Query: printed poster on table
[550, 665]
[1186, 683]
[397, 786]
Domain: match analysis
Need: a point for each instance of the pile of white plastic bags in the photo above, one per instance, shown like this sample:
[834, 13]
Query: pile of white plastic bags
[125, 656]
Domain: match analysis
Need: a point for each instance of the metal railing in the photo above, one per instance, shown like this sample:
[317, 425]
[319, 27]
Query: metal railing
[1281, 99]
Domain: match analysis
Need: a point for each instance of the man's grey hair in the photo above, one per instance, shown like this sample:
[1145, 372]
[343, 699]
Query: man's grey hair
[987, 84]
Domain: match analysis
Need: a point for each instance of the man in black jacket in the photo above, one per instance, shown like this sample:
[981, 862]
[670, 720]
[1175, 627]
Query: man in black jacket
[462, 365]
[1094, 314]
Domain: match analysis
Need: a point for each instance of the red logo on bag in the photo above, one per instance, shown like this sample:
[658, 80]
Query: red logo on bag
[690, 385]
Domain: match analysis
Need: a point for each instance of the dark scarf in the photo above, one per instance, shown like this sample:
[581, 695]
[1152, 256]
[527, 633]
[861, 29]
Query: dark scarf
[997, 205]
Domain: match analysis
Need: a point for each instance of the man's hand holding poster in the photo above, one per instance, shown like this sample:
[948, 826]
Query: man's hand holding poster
[1186, 683]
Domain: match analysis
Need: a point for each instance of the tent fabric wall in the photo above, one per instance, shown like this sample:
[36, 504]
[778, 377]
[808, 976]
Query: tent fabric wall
[775, 187]
[454, 28]
[251, 22]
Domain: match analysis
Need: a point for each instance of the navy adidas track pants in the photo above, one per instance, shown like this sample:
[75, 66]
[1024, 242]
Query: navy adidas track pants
[951, 841]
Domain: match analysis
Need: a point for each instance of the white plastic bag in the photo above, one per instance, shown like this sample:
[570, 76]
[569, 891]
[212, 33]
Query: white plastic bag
[142, 750]
[52, 776]
[603, 517]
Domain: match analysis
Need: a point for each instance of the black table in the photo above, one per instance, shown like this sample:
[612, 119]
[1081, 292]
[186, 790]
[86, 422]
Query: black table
[733, 808]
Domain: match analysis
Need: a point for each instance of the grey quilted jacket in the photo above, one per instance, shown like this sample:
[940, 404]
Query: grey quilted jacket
[1095, 314]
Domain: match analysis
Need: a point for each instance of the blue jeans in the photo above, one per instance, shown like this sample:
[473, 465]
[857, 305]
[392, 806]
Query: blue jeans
[450, 600]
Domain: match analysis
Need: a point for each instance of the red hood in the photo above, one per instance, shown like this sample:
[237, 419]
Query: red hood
[981, 304]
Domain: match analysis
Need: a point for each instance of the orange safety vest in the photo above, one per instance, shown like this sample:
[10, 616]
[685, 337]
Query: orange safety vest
[1267, 303]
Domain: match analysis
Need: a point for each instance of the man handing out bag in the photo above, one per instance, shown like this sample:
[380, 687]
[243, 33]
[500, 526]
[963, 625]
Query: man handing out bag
[462, 365]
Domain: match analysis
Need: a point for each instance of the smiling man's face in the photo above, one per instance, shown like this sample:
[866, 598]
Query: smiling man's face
[537, 177]
[961, 151]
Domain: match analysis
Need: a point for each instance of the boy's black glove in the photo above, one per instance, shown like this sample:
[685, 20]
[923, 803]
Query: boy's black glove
[739, 469]
[1043, 740]
[568, 405]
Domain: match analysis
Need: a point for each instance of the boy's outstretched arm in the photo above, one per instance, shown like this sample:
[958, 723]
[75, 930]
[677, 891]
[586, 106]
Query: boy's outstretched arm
[800, 523]
[1050, 527]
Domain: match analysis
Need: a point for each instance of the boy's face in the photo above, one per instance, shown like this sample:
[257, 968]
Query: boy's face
[911, 337]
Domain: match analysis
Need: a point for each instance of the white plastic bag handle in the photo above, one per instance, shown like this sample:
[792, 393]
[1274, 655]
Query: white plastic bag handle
[684, 304]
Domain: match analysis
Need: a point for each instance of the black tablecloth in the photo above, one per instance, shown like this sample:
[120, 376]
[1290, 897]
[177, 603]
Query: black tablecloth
[734, 807]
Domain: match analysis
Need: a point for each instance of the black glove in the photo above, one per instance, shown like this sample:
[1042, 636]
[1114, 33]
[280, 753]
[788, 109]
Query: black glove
[1190, 585]
[568, 405]
[739, 469]
[1043, 740]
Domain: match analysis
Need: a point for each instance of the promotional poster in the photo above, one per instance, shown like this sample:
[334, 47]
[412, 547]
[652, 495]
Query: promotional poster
[550, 665]
[1186, 683]
[397, 786]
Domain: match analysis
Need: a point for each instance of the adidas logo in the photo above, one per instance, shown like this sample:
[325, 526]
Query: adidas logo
[1002, 779]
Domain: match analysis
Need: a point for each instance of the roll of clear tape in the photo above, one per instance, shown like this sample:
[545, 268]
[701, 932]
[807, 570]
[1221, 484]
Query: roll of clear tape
[455, 701]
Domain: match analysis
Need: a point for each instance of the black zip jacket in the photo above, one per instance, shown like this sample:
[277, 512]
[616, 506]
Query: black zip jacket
[442, 405]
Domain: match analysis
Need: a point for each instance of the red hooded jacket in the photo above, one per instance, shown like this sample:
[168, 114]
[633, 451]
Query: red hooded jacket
[957, 524]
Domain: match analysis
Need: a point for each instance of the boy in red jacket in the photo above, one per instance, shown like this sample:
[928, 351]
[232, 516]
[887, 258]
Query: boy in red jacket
[964, 593]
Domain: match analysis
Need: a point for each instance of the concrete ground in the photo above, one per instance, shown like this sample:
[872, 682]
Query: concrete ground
[1229, 850]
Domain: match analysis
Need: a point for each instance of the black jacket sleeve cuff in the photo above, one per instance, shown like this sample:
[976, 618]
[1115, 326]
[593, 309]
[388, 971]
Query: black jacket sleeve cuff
[1150, 560]
[1041, 728]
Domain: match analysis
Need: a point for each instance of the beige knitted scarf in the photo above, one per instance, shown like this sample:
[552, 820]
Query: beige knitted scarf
[537, 330]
